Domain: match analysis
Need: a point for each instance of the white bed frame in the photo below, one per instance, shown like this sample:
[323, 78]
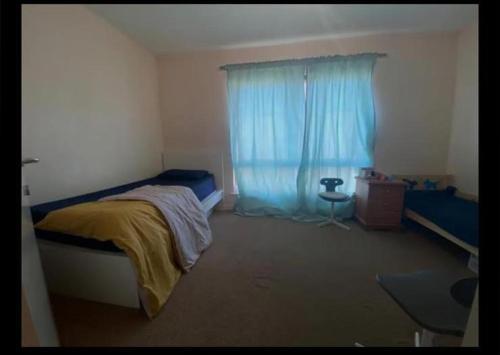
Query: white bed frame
[110, 277]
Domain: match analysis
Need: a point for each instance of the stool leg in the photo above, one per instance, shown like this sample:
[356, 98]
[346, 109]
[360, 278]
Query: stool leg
[333, 220]
[329, 221]
[337, 222]
[341, 225]
[325, 223]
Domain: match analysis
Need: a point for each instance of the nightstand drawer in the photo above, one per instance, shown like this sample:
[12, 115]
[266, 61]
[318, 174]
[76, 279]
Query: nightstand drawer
[386, 193]
[381, 217]
[388, 203]
[379, 204]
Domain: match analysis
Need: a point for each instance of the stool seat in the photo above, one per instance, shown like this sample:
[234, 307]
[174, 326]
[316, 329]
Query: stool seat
[333, 196]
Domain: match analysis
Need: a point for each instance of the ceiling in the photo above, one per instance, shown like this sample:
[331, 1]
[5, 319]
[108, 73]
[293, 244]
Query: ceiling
[168, 28]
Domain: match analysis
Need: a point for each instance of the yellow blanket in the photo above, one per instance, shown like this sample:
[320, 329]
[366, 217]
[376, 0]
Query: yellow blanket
[138, 228]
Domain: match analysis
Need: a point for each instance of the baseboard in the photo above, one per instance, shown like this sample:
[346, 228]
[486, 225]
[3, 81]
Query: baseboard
[227, 203]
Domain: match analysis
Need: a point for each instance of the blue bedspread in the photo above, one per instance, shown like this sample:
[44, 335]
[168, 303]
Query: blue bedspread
[201, 188]
[455, 215]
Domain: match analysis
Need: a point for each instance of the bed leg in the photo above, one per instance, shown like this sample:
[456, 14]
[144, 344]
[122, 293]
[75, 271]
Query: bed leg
[473, 263]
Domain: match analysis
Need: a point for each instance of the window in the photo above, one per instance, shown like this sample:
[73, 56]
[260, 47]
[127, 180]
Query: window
[288, 130]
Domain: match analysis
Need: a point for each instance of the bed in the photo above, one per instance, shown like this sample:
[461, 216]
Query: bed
[100, 271]
[433, 203]
[204, 188]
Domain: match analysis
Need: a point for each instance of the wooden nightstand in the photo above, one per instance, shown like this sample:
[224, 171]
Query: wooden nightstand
[379, 204]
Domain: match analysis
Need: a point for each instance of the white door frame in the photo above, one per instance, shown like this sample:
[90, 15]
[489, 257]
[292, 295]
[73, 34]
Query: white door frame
[33, 280]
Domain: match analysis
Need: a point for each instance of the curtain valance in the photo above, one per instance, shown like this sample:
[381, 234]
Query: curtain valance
[303, 61]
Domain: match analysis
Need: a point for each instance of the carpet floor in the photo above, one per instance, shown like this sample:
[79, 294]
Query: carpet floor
[274, 282]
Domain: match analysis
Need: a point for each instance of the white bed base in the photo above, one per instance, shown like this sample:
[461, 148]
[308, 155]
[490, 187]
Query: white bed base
[95, 275]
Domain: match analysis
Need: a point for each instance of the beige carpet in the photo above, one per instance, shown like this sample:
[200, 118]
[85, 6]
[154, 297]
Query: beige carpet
[272, 282]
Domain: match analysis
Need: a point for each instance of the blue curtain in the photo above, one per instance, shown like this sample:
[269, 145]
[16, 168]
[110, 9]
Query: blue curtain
[266, 110]
[340, 129]
[291, 125]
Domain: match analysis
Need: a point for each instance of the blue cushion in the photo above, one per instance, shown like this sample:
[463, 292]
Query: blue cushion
[183, 174]
[457, 216]
[450, 190]
[334, 196]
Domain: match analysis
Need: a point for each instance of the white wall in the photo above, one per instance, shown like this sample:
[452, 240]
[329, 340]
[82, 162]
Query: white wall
[90, 104]
[463, 148]
[91, 101]
[413, 85]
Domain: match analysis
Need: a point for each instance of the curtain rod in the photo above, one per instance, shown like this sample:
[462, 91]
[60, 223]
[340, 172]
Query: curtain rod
[299, 60]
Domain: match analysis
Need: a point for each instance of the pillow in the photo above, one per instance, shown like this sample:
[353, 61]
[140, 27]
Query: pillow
[180, 174]
[410, 184]
[450, 190]
[430, 185]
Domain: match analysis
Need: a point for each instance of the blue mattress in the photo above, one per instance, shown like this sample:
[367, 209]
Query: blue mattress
[455, 215]
[201, 188]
